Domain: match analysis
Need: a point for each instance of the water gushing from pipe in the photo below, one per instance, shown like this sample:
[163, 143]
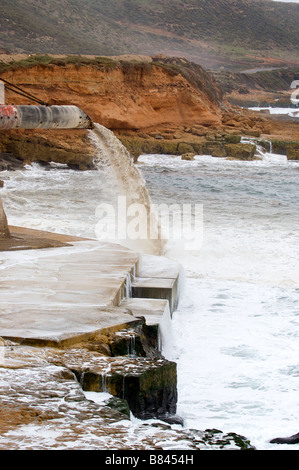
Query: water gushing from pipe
[126, 181]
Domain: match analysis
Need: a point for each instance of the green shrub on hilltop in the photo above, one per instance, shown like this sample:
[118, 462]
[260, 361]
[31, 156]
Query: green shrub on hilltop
[45, 60]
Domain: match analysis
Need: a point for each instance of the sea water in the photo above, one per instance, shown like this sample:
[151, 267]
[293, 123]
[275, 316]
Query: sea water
[235, 334]
[292, 112]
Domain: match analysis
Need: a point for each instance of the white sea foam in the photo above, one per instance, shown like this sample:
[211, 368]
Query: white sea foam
[234, 335]
[293, 112]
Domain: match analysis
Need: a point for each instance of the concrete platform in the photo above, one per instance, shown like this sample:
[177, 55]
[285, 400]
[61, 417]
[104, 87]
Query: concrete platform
[57, 293]
[62, 294]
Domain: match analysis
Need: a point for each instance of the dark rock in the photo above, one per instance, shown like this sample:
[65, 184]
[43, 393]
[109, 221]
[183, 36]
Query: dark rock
[153, 394]
[142, 340]
[119, 405]
[293, 154]
[127, 343]
[149, 386]
[294, 439]
[43, 164]
[173, 419]
[74, 166]
[243, 91]
[150, 339]
[9, 162]
[223, 441]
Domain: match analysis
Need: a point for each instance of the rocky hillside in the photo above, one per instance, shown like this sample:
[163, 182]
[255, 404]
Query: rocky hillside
[231, 33]
[262, 88]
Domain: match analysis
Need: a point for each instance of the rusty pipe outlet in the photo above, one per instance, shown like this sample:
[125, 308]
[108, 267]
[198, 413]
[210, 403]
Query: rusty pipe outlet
[43, 117]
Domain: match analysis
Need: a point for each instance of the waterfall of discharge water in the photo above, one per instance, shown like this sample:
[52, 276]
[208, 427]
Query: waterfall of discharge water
[260, 150]
[262, 153]
[125, 180]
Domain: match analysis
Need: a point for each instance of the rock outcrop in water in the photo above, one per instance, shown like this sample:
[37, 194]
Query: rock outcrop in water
[44, 407]
[294, 439]
[4, 230]
[20, 148]
[9, 162]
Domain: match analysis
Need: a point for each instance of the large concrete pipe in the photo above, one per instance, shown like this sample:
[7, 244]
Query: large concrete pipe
[43, 117]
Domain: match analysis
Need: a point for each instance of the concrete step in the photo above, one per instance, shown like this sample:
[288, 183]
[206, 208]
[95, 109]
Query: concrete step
[152, 310]
[158, 278]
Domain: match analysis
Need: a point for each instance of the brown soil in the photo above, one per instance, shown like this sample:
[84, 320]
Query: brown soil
[30, 239]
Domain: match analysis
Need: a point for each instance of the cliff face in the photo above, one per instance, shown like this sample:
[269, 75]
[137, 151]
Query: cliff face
[125, 95]
[157, 105]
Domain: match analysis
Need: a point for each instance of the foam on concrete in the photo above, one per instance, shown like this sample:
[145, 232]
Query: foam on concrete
[66, 292]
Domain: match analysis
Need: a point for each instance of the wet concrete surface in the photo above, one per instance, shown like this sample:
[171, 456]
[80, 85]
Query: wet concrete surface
[77, 287]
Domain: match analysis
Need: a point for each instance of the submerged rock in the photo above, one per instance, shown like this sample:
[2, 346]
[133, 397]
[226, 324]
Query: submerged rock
[119, 405]
[188, 156]
[9, 162]
[224, 441]
[294, 439]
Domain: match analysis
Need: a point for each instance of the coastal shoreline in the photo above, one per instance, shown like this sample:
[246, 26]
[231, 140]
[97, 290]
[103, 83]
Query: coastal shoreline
[119, 354]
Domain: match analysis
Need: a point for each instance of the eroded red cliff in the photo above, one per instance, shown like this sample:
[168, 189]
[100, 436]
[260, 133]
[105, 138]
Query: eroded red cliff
[158, 105]
[126, 95]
